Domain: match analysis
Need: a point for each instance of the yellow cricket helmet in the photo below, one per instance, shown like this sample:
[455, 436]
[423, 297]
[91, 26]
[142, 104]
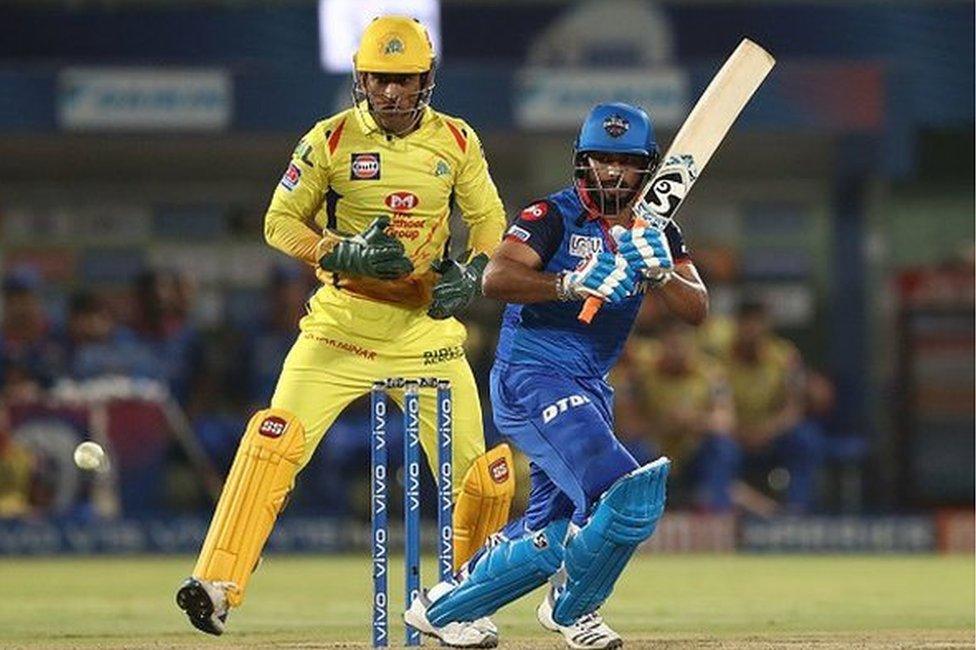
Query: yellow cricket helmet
[394, 44]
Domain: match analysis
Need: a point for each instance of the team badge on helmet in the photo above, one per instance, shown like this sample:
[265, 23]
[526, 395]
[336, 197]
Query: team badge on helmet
[615, 125]
[393, 46]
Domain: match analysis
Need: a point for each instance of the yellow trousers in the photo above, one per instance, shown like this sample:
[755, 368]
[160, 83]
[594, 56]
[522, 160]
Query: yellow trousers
[347, 342]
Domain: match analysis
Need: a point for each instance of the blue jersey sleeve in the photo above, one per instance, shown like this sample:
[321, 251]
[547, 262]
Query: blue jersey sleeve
[676, 242]
[540, 227]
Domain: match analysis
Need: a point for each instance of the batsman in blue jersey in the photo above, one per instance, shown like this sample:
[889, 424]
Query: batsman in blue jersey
[591, 504]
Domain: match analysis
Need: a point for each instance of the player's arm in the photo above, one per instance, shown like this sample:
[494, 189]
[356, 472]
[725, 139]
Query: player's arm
[514, 273]
[289, 222]
[477, 198]
[482, 210]
[685, 294]
[663, 258]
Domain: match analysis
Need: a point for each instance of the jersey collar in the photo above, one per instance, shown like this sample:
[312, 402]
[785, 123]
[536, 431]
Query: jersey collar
[369, 126]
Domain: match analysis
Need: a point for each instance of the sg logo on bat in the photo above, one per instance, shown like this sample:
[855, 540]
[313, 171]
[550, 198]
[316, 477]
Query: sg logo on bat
[670, 186]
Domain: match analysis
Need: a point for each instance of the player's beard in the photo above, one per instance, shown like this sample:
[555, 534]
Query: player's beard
[393, 119]
[606, 197]
[397, 118]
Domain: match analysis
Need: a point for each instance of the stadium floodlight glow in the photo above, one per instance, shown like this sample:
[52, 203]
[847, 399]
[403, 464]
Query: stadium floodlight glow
[341, 23]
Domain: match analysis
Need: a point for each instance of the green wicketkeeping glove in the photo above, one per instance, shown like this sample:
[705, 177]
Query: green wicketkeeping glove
[371, 253]
[457, 287]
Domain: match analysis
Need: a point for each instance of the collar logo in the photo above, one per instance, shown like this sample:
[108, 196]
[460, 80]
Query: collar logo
[393, 46]
[615, 125]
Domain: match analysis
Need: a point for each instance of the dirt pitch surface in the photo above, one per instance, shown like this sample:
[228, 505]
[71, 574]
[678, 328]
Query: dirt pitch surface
[750, 602]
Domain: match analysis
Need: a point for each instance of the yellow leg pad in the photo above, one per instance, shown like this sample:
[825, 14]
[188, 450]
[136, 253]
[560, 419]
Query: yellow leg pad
[260, 479]
[483, 504]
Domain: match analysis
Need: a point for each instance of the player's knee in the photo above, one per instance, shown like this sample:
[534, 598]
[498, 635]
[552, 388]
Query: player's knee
[628, 512]
[604, 468]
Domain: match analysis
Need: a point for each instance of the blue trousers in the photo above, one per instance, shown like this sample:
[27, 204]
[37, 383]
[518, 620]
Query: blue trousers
[564, 425]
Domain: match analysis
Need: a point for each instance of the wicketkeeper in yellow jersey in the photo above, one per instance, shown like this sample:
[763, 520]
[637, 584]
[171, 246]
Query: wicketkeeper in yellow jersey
[366, 200]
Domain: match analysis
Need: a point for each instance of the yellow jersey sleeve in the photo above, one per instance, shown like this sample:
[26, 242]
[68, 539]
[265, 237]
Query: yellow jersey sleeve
[289, 224]
[477, 198]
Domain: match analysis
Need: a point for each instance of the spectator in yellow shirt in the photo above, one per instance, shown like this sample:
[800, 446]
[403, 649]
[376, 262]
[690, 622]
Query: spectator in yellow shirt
[16, 472]
[685, 413]
[766, 375]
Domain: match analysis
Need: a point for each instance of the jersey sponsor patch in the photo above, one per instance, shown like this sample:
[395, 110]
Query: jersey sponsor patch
[272, 427]
[402, 201]
[563, 405]
[303, 152]
[293, 175]
[365, 167]
[535, 211]
[518, 233]
[583, 246]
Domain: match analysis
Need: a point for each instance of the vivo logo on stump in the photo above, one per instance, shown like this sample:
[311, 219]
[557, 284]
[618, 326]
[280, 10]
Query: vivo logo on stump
[402, 201]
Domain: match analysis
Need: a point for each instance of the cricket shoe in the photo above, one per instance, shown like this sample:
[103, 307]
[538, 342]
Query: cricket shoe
[205, 603]
[486, 624]
[589, 631]
[479, 634]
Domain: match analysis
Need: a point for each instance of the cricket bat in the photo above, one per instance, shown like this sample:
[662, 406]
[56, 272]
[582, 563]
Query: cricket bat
[696, 141]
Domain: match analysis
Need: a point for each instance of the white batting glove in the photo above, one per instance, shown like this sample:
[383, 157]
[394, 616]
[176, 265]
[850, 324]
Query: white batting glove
[603, 275]
[647, 251]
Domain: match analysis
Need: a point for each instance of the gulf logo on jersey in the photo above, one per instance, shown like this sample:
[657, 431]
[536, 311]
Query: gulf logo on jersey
[364, 167]
[402, 201]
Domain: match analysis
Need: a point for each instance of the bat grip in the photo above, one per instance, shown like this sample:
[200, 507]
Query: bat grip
[590, 307]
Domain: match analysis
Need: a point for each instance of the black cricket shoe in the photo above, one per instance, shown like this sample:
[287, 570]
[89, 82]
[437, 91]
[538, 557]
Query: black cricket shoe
[205, 604]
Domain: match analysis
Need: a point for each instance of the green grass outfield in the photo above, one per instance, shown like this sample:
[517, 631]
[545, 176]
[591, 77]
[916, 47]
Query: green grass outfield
[662, 601]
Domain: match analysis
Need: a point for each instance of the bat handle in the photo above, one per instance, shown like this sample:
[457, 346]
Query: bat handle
[590, 307]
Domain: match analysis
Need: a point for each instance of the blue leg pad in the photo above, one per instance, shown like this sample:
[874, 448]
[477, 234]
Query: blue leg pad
[624, 517]
[505, 572]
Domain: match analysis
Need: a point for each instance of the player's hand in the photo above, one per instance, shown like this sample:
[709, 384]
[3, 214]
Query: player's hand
[371, 253]
[603, 275]
[458, 285]
[647, 252]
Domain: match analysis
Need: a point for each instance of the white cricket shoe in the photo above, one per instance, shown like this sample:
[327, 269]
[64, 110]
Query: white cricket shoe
[205, 604]
[589, 631]
[486, 624]
[479, 634]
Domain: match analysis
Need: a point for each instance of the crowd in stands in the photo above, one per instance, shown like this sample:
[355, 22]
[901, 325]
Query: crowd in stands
[731, 403]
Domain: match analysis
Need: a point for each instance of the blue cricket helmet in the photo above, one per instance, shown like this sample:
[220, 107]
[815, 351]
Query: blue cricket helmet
[616, 127]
